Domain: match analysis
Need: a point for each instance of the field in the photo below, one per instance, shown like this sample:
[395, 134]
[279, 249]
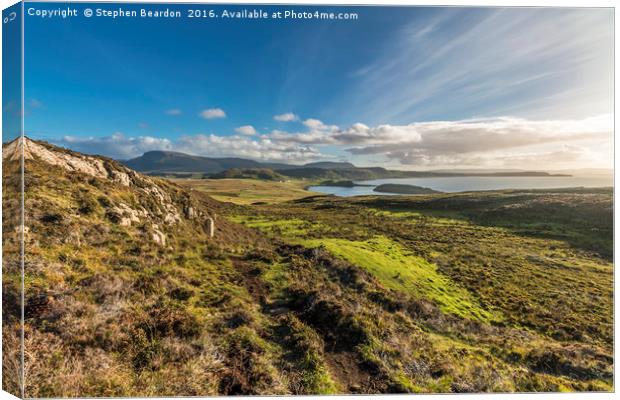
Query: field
[248, 191]
[534, 259]
[536, 263]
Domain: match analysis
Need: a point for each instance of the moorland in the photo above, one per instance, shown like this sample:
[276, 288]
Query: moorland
[129, 291]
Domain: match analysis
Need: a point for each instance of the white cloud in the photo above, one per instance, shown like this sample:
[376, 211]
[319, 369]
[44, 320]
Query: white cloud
[286, 117]
[241, 146]
[474, 143]
[122, 147]
[562, 157]
[360, 133]
[117, 145]
[313, 123]
[477, 135]
[247, 130]
[213, 113]
[174, 111]
[312, 137]
[490, 142]
[320, 133]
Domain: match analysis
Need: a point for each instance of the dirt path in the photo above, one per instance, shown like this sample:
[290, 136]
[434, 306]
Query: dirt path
[251, 280]
[344, 366]
[344, 369]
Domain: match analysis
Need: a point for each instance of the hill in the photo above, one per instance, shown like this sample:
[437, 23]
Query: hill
[161, 162]
[169, 161]
[181, 165]
[120, 272]
[324, 165]
[137, 286]
[252, 173]
[314, 173]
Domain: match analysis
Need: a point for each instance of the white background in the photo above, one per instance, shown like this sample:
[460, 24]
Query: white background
[562, 3]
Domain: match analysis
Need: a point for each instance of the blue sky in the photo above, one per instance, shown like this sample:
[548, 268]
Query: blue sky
[11, 74]
[412, 87]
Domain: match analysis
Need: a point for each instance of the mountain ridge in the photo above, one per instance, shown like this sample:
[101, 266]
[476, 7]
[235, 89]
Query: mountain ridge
[163, 162]
[173, 161]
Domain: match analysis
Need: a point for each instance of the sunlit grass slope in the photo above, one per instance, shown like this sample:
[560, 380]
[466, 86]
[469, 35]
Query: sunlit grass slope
[400, 270]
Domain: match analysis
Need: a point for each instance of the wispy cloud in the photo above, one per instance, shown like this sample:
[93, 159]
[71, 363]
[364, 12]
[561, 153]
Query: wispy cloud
[213, 113]
[174, 111]
[286, 117]
[476, 62]
[34, 103]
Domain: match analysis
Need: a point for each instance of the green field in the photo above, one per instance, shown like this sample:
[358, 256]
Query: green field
[248, 191]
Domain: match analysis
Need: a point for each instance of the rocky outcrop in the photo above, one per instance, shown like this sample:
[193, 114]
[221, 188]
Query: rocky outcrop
[124, 215]
[158, 236]
[152, 205]
[68, 160]
[189, 212]
[210, 226]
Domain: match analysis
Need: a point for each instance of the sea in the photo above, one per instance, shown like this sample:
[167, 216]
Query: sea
[472, 183]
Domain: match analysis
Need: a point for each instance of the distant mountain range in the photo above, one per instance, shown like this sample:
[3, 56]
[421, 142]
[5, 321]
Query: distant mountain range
[169, 163]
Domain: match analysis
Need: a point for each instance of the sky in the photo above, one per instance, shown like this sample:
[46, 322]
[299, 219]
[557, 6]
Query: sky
[11, 74]
[408, 88]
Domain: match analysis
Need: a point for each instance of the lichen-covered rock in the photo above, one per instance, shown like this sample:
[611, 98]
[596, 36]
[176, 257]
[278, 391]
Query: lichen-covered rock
[159, 237]
[189, 212]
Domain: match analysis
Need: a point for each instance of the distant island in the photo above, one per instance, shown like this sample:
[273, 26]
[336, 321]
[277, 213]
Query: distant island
[348, 184]
[403, 189]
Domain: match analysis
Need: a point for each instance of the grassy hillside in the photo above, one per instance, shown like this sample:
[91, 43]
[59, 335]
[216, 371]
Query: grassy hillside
[11, 275]
[536, 285]
[127, 293]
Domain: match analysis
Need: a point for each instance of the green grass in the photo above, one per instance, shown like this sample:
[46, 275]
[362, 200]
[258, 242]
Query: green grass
[528, 256]
[400, 270]
[248, 191]
[390, 262]
[279, 227]
[387, 260]
[276, 276]
[441, 217]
